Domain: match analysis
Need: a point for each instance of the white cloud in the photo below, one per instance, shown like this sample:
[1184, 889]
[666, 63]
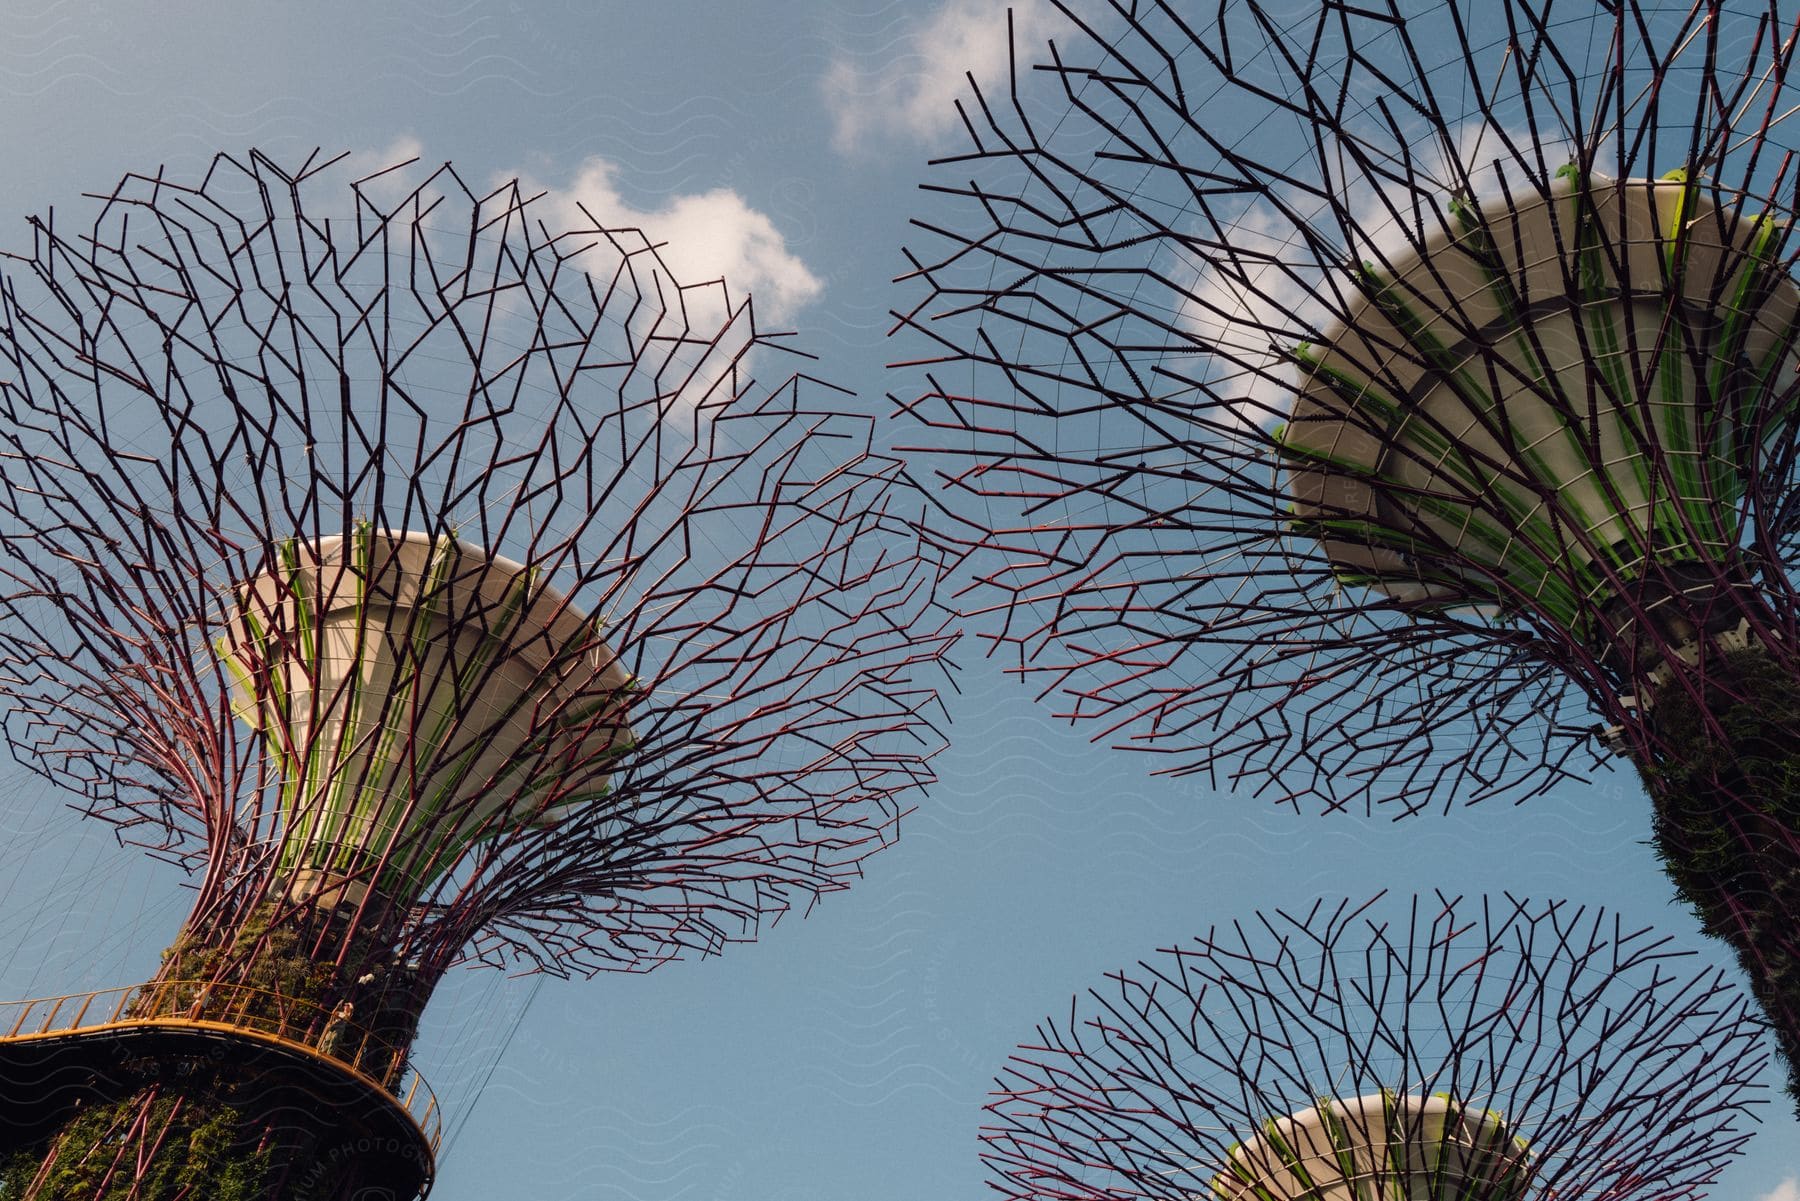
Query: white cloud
[909, 88]
[1251, 316]
[1787, 1190]
[719, 250]
[705, 236]
[360, 163]
[1237, 312]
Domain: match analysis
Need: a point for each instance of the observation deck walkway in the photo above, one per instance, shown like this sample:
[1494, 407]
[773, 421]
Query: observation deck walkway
[57, 1053]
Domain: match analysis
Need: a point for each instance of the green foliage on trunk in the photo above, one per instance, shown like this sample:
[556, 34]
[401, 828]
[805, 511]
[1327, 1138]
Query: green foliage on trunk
[274, 960]
[216, 1142]
[264, 976]
[206, 1151]
[1727, 795]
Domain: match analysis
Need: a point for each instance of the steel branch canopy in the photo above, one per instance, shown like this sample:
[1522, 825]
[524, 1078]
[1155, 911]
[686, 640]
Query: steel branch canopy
[1383, 350]
[1458, 1050]
[1397, 405]
[435, 578]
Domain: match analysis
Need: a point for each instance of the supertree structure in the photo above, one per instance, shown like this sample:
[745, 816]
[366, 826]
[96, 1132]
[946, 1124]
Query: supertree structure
[1442, 1051]
[1395, 404]
[434, 584]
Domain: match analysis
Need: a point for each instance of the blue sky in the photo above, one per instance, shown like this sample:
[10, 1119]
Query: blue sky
[846, 1055]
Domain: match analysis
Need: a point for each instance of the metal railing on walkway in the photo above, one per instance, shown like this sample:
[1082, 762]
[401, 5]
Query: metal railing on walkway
[196, 1004]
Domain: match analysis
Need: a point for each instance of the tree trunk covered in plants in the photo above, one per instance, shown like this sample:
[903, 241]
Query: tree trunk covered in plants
[170, 1142]
[199, 1127]
[321, 977]
[1726, 788]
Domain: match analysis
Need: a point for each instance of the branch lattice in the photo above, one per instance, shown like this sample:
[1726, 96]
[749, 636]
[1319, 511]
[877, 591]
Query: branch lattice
[1121, 291]
[206, 384]
[1624, 1072]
